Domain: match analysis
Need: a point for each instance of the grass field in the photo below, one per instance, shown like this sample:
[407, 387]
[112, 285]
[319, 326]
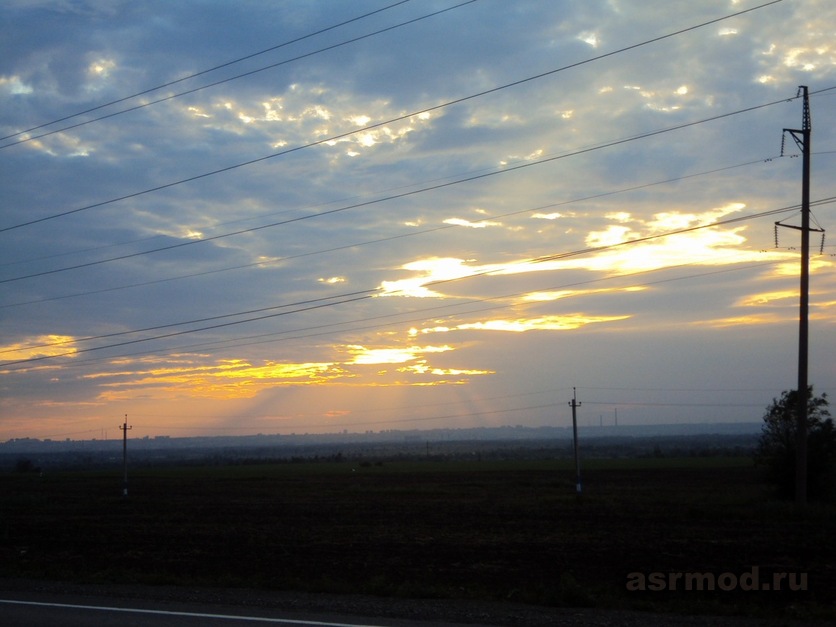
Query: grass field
[499, 530]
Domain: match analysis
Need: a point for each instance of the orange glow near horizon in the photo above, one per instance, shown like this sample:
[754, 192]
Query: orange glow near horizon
[228, 379]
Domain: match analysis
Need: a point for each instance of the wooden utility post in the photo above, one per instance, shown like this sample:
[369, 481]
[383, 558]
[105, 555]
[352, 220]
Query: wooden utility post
[803, 139]
[575, 404]
[124, 428]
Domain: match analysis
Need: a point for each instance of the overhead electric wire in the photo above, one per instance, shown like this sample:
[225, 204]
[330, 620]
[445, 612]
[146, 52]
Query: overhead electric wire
[200, 73]
[176, 333]
[689, 390]
[401, 118]
[331, 202]
[448, 417]
[423, 418]
[658, 404]
[424, 406]
[391, 238]
[397, 196]
[250, 73]
[196, 321]
[237, 342]
[639, 240]
[620, 403]
[381, 191]
[369, 292]
[452, 416]
[414, 419]
[366, 294]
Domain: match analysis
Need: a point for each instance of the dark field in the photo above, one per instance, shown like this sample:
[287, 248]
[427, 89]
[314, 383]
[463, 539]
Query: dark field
[486, 530]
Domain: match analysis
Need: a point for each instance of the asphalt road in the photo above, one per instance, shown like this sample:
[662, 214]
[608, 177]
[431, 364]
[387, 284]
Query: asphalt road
[28, 613]
[36, 603]
[26, 603]
[17, 613]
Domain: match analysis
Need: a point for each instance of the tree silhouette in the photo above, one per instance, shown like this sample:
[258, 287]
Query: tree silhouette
[777, 445]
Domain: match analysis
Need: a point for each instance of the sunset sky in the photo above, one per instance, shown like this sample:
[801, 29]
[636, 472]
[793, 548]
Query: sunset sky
[247, 217]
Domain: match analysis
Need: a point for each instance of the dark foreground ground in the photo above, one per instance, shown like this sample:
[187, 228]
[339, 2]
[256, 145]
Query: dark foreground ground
[691, 536]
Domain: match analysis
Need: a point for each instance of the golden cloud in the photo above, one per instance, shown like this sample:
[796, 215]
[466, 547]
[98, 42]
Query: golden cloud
[547, 296]
[472, 225]
[422, 368]
[39, 346]
[562, 322]
[711, 246]
[371, 356]
[756, 319]
[767, 298]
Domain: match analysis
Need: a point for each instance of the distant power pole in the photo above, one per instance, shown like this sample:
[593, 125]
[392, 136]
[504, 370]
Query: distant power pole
[575, 404]
[124, 429]
[803, 139]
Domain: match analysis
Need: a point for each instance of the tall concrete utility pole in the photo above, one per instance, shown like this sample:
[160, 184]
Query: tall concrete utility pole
[803, 140]
[575, 404]
[124, 429]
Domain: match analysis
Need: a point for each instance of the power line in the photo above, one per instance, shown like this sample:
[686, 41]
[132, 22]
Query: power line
[401, 118]
[252, 218]
[655, 404]
[431, 418]
[493, 412]
[177, 333]
[411, 234]
[391, 197]
[391, 238]
[250, 73]
[450, 416]
[191, 76]
[689, 390]
[425, 406]
[591, 249]
[268, 416]
[238, 342]
[196, 321]
[370, 293]
[362, 295]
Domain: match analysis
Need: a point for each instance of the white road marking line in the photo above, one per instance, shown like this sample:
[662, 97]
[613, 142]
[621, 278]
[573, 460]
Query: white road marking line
[286, 621]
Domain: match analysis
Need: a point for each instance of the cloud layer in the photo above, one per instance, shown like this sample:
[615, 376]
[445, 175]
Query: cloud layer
[418, 217]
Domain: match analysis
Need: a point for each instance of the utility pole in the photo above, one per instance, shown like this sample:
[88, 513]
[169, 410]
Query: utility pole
[803, 139]
[124, 429]
[575, 404]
